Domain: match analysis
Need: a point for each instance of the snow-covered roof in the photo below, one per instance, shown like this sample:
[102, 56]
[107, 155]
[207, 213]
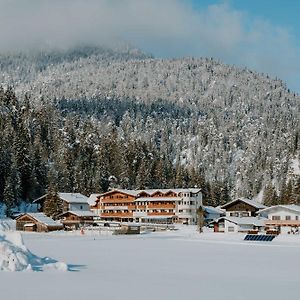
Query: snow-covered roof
[291, 207]
[213, 210]
[164, 191]
[80, 213]
[245, 200]
[73, 197]
[154, 199]
[42, 218]
[92, 199]
[244, 220]
[40, 198]
[123, 191]
[152, 191]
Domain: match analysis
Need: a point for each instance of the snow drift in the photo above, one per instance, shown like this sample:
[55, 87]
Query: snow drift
[14, 256]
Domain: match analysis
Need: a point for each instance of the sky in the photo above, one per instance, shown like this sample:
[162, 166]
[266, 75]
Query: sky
[263, 35]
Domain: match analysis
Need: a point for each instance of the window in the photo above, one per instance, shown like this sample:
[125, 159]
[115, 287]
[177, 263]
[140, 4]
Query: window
[230, 228]
[234, 214]
[81, 207]
[297, 218]
[276, 218]
[288, 218]
[245, 214]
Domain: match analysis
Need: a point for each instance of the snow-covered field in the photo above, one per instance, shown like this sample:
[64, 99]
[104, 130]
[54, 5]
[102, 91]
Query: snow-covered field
[167, 265]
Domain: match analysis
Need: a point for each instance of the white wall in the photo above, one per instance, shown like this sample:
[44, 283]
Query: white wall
[282, 212]
[79, 206]
[229, 225]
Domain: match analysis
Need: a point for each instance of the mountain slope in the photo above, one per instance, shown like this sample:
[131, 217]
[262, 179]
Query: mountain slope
[232, 125]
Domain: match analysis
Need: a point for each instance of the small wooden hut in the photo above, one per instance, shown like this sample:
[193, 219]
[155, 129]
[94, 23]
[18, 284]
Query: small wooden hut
[38, 222]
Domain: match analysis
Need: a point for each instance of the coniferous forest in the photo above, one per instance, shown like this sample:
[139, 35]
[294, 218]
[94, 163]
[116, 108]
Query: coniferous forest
[90, 119]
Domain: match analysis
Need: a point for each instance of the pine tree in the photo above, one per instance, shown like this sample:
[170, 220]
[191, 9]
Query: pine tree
[53, 205]
[270, 196]
[296, 192]
[9, 196]
[287, 192]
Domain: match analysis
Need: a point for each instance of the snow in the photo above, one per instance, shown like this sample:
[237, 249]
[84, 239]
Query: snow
[81, 213]
[92, 199]
[42, 218]
[245, 221]
[260, 196]
[14, 256]
[248, 201]
[295, 165]
[179, 264]
[73, 197]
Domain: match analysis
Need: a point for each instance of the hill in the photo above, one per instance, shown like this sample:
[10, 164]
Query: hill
[232, 128]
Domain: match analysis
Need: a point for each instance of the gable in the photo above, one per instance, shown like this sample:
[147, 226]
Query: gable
[25, 218]
[281, 209]
[239, 205]
[117, 195]
[157, 194]
[170, 194]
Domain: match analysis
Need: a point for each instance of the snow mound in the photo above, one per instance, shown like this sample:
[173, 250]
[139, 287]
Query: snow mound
[14, 256]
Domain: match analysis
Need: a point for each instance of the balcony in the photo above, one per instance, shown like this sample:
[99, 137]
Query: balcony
[116, 200]
[165, 213]
[117, 215]
[139, 214]
[161, 206]
[282, 223]
[114, 207]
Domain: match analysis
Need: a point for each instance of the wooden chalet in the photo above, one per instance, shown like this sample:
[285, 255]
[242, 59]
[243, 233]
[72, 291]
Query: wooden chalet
[76, 219]
[38, 222]
[242, 207]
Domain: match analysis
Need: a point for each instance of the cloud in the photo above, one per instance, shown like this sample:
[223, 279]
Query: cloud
[166, 28]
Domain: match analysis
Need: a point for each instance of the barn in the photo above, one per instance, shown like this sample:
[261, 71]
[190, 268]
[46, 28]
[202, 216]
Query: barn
[38, 222]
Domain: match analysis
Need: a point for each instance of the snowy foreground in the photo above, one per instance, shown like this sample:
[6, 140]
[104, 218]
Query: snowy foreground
[167, 265]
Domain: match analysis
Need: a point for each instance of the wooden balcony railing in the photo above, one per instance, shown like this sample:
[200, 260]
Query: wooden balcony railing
[141, 207]
[282, 222]
[118, 207]
[161, 214]
[116, 200]
[161, 205]
[117, 215]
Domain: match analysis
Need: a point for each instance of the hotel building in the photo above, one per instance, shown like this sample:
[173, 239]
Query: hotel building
[149, 206]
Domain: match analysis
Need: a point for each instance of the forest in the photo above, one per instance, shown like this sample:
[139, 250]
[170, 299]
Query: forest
[91, 119]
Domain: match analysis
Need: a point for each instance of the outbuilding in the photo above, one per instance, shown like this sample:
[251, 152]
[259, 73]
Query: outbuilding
[38, 222]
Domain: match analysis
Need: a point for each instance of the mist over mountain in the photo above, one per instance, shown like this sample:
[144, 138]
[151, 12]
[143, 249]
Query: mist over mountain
[122, 118]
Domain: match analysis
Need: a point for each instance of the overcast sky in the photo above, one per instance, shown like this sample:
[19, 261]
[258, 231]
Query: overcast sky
[165, 28]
